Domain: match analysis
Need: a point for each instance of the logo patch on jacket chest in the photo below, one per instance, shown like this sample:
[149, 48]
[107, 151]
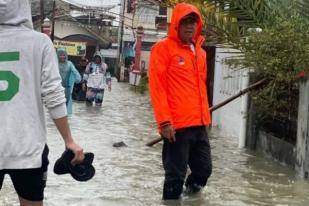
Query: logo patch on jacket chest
[181, 61]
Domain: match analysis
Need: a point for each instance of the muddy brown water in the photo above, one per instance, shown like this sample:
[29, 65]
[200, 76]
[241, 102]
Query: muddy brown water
[133, 175]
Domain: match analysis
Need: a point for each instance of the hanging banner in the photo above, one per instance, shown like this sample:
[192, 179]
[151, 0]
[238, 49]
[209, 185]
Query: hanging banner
[72, 48]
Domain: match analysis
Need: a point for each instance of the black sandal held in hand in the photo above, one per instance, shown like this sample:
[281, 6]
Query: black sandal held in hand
[81, 172]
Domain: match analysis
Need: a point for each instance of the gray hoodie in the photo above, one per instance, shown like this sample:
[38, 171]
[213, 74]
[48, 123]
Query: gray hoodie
[29, 79]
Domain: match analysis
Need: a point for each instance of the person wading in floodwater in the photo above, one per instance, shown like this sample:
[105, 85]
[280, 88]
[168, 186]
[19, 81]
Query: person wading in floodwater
[177, 80]
[69, 76]
[96, 78]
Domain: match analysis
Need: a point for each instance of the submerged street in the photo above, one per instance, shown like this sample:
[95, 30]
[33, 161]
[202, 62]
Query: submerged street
[133, 175]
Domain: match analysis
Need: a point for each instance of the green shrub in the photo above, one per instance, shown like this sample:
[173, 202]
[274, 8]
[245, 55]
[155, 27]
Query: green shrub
[279, 53]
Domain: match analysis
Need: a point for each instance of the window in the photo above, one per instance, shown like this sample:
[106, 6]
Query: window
[163, 11]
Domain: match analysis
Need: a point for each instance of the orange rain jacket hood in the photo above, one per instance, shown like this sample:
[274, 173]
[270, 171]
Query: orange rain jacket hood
[177, 76]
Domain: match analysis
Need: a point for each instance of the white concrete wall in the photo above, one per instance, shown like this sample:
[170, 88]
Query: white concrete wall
[134, 78]
[231, 118]
[302, 149]
[145, 57]
[145, 16]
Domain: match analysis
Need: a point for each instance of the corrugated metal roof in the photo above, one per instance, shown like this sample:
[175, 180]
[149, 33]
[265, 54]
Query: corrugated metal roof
[103, 4]
[112, 7]
[93, 3]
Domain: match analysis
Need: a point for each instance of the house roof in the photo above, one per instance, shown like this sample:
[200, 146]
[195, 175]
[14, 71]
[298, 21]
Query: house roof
[83, 4]
[93, 4]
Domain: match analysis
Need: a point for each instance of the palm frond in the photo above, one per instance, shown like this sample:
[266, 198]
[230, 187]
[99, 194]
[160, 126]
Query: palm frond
[303, 7]
[231, 19]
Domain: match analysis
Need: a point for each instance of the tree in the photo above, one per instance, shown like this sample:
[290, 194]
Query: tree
[227, 21]
[280, 54]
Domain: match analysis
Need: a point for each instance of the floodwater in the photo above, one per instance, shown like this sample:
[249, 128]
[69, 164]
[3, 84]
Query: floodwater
[133, 175]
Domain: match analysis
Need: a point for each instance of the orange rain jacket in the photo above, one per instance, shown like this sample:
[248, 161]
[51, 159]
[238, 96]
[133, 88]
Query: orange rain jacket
[177, 77]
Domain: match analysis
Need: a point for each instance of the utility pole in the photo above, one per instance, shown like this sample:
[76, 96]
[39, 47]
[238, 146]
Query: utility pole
[52, 36]
[122, 28]
[42, 13]
[120, 37]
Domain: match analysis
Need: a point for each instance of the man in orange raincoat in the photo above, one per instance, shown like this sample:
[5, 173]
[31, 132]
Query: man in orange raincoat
[177, 80]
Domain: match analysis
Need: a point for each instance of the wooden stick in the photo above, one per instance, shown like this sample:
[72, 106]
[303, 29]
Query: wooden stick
[213, 108]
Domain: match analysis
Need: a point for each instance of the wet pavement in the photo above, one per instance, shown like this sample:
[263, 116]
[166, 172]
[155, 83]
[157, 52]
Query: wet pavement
[133, 175]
